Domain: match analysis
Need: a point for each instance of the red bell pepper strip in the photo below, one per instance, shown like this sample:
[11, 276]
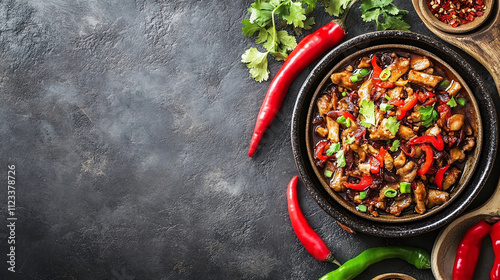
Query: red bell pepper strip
[307, 236]
[437, 142]
[365, 182]
[308, 49]
[495, 240]
[376, 70]
[374, 165]
[468, 251]
[385, 84]
[429, 158]
[320, 149]
[412, 101]
[438, 180]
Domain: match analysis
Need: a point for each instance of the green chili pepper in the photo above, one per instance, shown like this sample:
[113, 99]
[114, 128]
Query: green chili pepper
[353, 267]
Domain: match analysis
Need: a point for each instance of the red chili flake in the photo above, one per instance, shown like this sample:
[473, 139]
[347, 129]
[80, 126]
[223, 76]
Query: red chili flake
[456, 12]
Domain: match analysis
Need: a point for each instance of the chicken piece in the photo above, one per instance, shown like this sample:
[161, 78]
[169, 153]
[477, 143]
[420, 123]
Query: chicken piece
[388, 162]
[400, 204]
[428, 81]
[358, 150]
[455, 122]
[436, 197]
[429, 71]
[408, 172]
[395, 93]
[450, 178]
[398, 68]
[405, 132]
[338, 180]
[468, 130]
[454, 88]
[324, 104]
[419, 196]
[347, 132]
[370, 149]
[364, 168]
[342, 105]
[433, 131]
[333, 129]
[469, 144]
[400, 160]
[321, 131]
[456, 154]
[415, 117]
[365, 90]
[343, 79]
[419, 63]
[365, 63]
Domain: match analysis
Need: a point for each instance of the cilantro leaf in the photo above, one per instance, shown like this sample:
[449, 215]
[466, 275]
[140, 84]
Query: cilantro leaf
[429, 115]
[308, 23]
[368, 111]
[335, 147]
[261, 12]
[297, 15]
[311, 4]
[335, 7]
[257, 62]
[262, 37]
[249, 28]
[386, 107]
[392, 125]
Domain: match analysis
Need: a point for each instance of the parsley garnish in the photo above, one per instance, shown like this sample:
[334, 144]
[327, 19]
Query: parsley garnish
[429, 115]
[335, 147]
[386, 107]
[392, 125]
[392, 17]
[350, 140]
[367, 110]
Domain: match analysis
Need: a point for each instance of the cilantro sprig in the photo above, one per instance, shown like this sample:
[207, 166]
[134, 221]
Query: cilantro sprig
[271, 23]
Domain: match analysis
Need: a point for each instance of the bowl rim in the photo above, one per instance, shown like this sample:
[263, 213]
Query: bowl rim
[469, 167]
[487, 155]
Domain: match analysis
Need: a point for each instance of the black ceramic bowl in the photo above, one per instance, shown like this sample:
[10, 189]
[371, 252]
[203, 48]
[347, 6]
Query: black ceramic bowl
[405, 228]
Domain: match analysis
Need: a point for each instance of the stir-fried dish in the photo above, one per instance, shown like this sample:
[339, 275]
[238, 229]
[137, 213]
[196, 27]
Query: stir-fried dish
[392, 133]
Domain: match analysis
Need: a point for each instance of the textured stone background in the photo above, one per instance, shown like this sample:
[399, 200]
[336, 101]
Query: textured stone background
[129, 123]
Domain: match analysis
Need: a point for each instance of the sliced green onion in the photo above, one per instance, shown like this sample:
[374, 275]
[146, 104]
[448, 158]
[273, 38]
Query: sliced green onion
[350, 140]
[385, 74]
[328, 173]
[462, 101]
[395, 146]
[355, 78]
[362, 195]
[444, 84]
[386, 107]
[387, 97]
[390, 193]
[405, 187]
[452, 103]
[344, 93]
[345, 121]
[361, 208]
[363, 72]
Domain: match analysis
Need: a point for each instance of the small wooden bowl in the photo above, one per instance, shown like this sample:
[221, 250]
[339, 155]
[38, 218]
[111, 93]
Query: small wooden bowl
[389, 276]
[478, 21]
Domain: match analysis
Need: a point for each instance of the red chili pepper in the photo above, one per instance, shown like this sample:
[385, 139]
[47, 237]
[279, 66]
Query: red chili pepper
[407, 106]
[349, 115]
[438, 142]
[308, 49]
[429, 158]
[438, 180]
[365, 182]
[320, 149]
[468, 251]
[422, 97]
[307, 236]
[374, 165]
[495, 240]
[385, 84]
